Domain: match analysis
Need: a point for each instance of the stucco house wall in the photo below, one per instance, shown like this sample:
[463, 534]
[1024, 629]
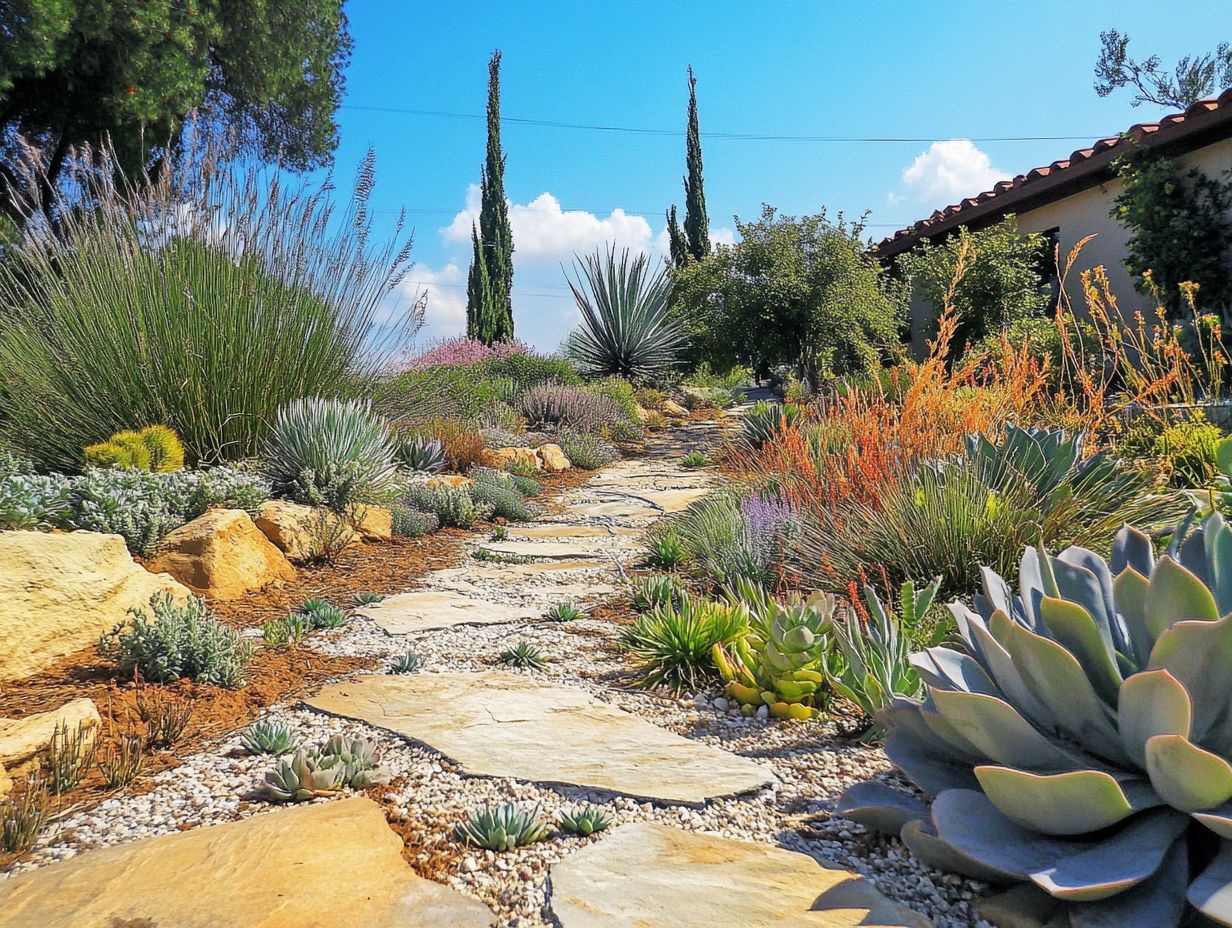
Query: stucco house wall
[1077, 215]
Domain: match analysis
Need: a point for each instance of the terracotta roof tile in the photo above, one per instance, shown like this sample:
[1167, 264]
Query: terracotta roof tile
[1174, 122]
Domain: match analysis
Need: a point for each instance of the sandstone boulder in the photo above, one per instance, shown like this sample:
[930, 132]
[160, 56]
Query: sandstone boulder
[295, 529]
[672, 408]
[59, 592]
[23, 741]
[315, 865]
[553, 458]
[222, 555]
[376, 523]
[500, 457]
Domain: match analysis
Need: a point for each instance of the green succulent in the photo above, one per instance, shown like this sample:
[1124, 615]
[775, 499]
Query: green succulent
[323, 614]
[525, 655]
[358, 760]
[584, 820]
[656, 590]
[694, 459]
[268, 737]
[674, 645]
[766, 421]
[1083, 743]
[666, 550]
[290, 628]
[782, 662]
[302, 778]
[367, 599]
[564, 612]
[410, 662]
[502, 828]
[876, 650]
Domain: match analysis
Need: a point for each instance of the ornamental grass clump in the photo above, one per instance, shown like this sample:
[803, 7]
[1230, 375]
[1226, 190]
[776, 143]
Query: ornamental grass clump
[334, 453]
[1081, 741]
[173, 641]
[248, 292]
[155, 448]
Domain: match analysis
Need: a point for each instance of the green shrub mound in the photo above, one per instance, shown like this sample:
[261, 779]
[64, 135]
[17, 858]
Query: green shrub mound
[1083, 741]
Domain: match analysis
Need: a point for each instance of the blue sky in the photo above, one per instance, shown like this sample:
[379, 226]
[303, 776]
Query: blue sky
[950, 70]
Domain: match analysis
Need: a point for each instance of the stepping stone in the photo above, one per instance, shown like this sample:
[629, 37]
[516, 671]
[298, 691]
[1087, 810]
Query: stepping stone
[502, 724]
[549, 549]
[557, 531]
[615, 509]
[647, 874]
[571, 579]
[332, 863]
[420, 610]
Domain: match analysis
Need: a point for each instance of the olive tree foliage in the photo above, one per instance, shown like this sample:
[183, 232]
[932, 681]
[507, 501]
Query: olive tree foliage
[1193, 78]
[803, 291]
[265, 74]
[1002, 283]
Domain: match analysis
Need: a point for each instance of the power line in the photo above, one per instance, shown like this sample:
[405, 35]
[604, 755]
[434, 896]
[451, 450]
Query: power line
[729, 136]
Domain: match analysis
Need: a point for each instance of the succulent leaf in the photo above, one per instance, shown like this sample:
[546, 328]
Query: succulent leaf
[1152, 703]
[1186, 776]
[1070, 803]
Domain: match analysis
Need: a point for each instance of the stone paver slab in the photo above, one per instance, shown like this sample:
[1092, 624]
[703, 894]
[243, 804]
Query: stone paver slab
[645, 874]
[550, 549]
[556, 531]
[510, 725]
[420, 610]
[323, 864]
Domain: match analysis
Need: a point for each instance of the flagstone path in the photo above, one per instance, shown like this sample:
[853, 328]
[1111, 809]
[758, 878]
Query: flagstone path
[466, 731]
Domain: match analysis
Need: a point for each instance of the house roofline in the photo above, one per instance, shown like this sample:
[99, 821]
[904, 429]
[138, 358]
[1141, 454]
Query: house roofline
[1203, 123]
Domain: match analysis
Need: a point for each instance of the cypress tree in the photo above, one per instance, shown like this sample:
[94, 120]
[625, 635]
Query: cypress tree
[696, 223]
[489, 285]
[676, 241]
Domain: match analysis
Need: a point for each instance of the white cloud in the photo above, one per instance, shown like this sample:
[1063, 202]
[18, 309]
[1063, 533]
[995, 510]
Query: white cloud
[445, 290]
[951, 170]
[543, 231]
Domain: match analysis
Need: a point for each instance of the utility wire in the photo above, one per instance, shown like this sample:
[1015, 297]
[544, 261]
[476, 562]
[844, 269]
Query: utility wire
[731, 136]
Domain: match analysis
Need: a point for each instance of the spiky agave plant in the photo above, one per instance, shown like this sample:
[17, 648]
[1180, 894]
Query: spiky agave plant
[584, 820]
[674, 645]
[626, 327]
[1083, 743]
[502, 828]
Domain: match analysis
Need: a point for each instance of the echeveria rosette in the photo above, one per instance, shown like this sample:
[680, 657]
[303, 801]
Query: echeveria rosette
[1082, 743]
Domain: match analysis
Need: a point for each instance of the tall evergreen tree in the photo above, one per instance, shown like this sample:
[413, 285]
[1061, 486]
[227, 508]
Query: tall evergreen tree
[677, 243]
[489, 285]
[696, 223]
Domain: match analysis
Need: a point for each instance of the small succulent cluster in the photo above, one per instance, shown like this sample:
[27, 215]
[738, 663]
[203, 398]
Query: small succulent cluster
[452, 506]
[782, 662]
[291, 628]
[584, 820]
[674, 644]
[564, 612]
[367, 599]
[655, 591]
[410, 662]
[694, 459]
[1081, 741]
[322, 614]
[341, 763]
[156, 449]
[525, 656]
[666, 550]
[503, 827]
[268, 737]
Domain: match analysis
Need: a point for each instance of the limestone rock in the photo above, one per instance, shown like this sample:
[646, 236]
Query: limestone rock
[420, 610]
[319, 864]
[649, 874]
[59, 592]
[499, 457]
[672, 408]
[457, 481]
[553, 458]
[222, 555]
[376, 523]
[23, 741]
[294, 528]
[510, 725]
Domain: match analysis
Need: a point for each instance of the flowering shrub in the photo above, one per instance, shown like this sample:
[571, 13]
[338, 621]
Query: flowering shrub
[554, 404]
[462, 350]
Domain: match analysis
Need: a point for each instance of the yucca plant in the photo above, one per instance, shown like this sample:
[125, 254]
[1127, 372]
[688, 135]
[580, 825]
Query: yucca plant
[1081, 742]
[502, 828]
[247, 292]
[332, 453]
[674, 646]
[626, 328]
